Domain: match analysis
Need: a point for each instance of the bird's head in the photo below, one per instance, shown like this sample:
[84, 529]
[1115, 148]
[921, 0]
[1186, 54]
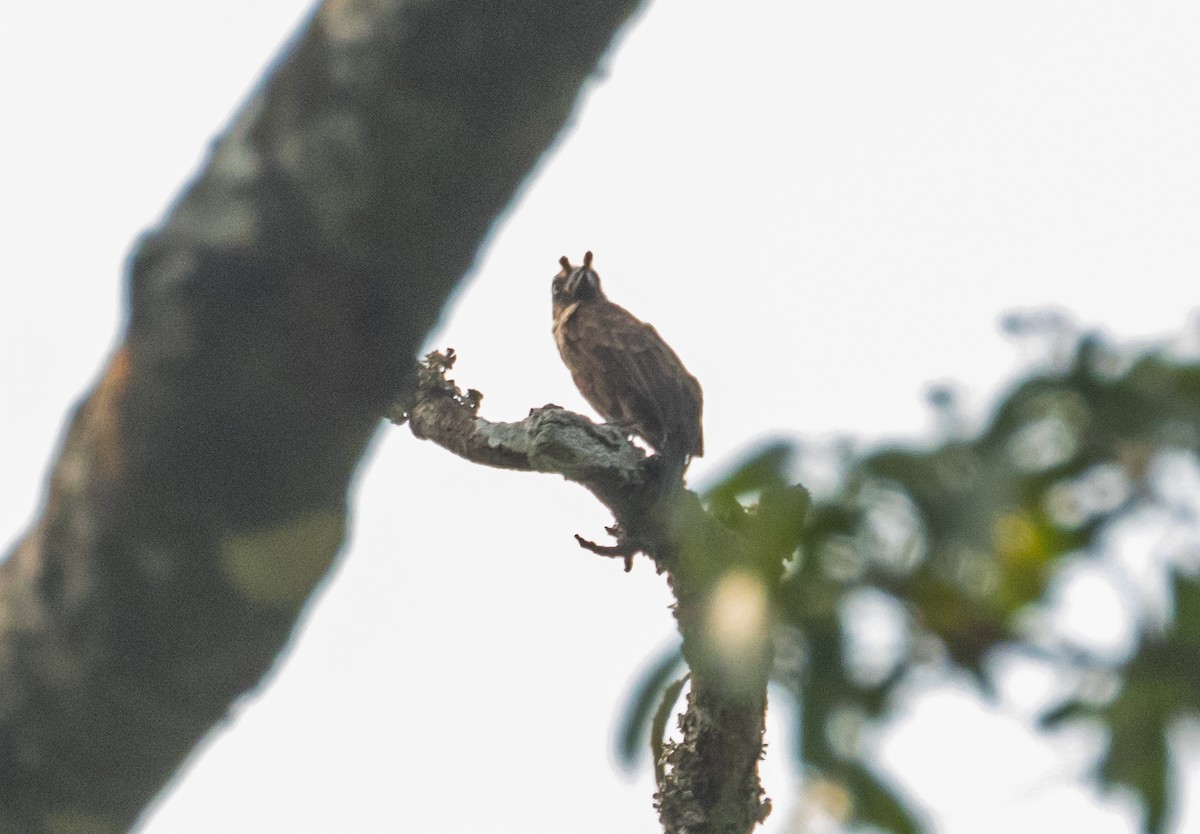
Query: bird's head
[575, 283]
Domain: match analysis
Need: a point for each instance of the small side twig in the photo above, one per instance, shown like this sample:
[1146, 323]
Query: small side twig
[625, 548]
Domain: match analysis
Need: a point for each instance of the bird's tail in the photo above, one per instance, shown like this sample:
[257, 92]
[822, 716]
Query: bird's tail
[673, 460]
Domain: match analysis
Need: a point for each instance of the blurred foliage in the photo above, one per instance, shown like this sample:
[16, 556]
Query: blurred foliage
[964, 545]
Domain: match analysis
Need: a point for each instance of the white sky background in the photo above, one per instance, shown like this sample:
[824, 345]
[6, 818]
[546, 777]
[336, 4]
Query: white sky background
[823, 206]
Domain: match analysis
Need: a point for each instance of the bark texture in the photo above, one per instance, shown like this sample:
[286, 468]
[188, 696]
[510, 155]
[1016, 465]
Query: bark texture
[200, 493]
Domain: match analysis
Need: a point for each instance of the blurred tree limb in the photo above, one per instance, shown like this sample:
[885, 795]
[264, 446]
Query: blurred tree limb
[200, 491]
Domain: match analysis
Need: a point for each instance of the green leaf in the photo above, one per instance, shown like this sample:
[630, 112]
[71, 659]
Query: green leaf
[779, 520]
[658, 730]
[1069, 711]
[648, 692]
[768, 467]
[1138, 721]
[875, 804]
[1139, 760]
[1186, 594]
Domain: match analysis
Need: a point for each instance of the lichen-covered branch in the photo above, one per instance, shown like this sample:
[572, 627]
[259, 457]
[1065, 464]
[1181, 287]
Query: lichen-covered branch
[200, 493]
[710, 781]
[550, 439]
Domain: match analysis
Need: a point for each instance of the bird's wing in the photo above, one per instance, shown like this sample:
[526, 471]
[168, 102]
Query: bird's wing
[667, 399]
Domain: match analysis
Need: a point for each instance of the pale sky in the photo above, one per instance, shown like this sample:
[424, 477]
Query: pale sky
[822, 206]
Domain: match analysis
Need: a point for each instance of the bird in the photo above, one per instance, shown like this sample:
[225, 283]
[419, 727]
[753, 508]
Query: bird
[625, 370]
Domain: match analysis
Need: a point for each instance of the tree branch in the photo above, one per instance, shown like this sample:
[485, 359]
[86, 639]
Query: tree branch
[200, 493]
[710, 781]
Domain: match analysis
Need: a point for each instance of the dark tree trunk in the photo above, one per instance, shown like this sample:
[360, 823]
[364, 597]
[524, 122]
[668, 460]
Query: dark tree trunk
[200, 493]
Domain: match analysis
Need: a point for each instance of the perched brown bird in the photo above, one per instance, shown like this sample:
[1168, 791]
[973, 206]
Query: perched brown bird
[624, 369]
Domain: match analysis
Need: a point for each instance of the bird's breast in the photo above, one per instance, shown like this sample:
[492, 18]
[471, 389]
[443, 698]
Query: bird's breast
[561, 320]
